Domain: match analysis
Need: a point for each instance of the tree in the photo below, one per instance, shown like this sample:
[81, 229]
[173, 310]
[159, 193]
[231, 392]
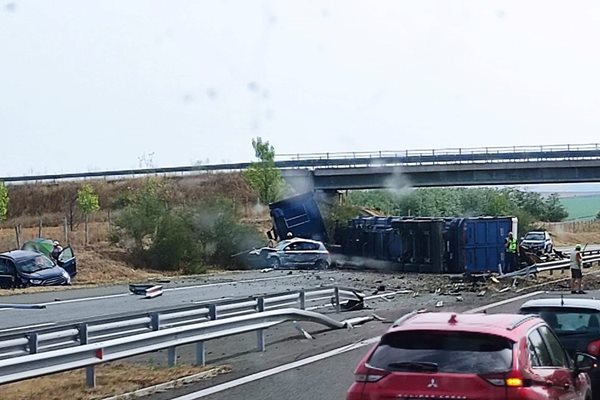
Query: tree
[87, 200]
[262, 175]
[554, 209]
[3, 201]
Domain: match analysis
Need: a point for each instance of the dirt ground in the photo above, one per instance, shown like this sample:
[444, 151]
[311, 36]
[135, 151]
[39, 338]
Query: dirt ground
[111, 379]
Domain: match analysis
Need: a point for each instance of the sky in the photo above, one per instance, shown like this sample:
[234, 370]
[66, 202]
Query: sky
[99, 85]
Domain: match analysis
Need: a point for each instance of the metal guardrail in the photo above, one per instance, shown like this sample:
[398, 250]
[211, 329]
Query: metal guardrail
[357, 159]
[88, 355]
[19, 344]
[589, 258]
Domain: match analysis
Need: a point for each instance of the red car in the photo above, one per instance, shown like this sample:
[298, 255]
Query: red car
[471, 356]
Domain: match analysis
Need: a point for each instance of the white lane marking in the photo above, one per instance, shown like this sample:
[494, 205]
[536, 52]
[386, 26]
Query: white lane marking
[286, 367]
[276, 370]
[500, 303]
[109, 296]
[26, 327]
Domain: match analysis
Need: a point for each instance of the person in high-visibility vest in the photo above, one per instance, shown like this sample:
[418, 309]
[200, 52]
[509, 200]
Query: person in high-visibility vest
[512, 250]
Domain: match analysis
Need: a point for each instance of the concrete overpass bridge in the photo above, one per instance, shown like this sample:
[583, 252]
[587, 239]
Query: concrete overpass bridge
[417, 168]
[449, 167]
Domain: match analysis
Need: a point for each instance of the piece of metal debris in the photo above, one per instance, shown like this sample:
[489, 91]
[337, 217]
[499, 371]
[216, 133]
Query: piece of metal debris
[482, 293]
[438, 291]
[439, 304]
[265, 270]
[504, 290]
[459, 298]
[304, 333]
[494, 279]
[378, 318]
[154, 291]
[415, 294]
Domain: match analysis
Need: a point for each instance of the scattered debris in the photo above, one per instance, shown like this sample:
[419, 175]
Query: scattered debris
[304, 332]
[482, 293]
[318, 277]
[439, 304]
[504, 290]
[265, 270]
[381, 288]
[378, 318]
[415, 294]
[289, 273]
[438, 291]
[459, 298]
[494, 279]
[154, 291]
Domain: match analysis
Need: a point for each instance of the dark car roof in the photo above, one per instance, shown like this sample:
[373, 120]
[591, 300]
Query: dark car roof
[591, 304]
[510, 326]
[20, 255]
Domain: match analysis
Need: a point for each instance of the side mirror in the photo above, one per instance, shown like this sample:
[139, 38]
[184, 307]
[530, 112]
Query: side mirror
[522, 237]
[585, 362]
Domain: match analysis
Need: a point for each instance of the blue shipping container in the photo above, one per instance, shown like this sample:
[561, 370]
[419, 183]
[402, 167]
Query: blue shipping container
[482, 243]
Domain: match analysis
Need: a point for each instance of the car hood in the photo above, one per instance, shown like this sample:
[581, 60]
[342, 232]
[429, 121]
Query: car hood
[257, 251]
[45, 273]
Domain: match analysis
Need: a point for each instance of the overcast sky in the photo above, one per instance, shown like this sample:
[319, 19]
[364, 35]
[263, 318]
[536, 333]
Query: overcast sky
[94, 85]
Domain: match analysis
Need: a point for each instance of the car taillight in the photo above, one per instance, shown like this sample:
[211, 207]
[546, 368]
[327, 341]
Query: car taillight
[513, 379]
[594, 348]
[369, 375]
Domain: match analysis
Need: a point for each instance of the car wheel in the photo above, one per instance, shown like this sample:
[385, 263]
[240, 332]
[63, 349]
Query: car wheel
[275, 263]
[322, 264]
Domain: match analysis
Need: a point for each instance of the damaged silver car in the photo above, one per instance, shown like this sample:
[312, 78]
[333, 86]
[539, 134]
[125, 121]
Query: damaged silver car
[295, 253]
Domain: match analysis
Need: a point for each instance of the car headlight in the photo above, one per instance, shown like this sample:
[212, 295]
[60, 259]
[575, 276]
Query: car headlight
[35, 281]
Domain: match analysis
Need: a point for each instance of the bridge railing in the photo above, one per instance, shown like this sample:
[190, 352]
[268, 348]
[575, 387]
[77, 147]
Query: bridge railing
[519, 151]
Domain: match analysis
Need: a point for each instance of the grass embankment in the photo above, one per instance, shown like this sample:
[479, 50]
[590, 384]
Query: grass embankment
[111, 379]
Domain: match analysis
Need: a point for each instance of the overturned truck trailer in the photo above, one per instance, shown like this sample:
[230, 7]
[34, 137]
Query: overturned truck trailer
[430, 245]
[413, 244]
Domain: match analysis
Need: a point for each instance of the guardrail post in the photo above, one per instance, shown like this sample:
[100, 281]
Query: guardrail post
[212, 311]
[90, 377]
[336, 295]
[172, 356]
[260, 340]
[33, 343]
[200, 354]
[90, 371]
[260, 304]
[155, 321]
[302, 300]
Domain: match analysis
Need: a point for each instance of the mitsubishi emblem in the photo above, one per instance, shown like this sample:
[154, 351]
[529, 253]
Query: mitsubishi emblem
[432, 384]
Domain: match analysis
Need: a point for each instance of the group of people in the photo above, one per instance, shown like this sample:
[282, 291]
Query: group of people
[576, 262]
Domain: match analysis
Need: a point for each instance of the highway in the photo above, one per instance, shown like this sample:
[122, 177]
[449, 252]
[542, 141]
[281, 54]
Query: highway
[326, 378]
[293, 366]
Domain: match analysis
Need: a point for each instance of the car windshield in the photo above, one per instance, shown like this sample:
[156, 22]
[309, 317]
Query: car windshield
[569, 321]
[451, 352]
[534, 236]
[35, 264]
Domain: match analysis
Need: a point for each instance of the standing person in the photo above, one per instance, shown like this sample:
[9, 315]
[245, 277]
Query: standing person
[576, 276]
[510, 243]
[56, 250]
